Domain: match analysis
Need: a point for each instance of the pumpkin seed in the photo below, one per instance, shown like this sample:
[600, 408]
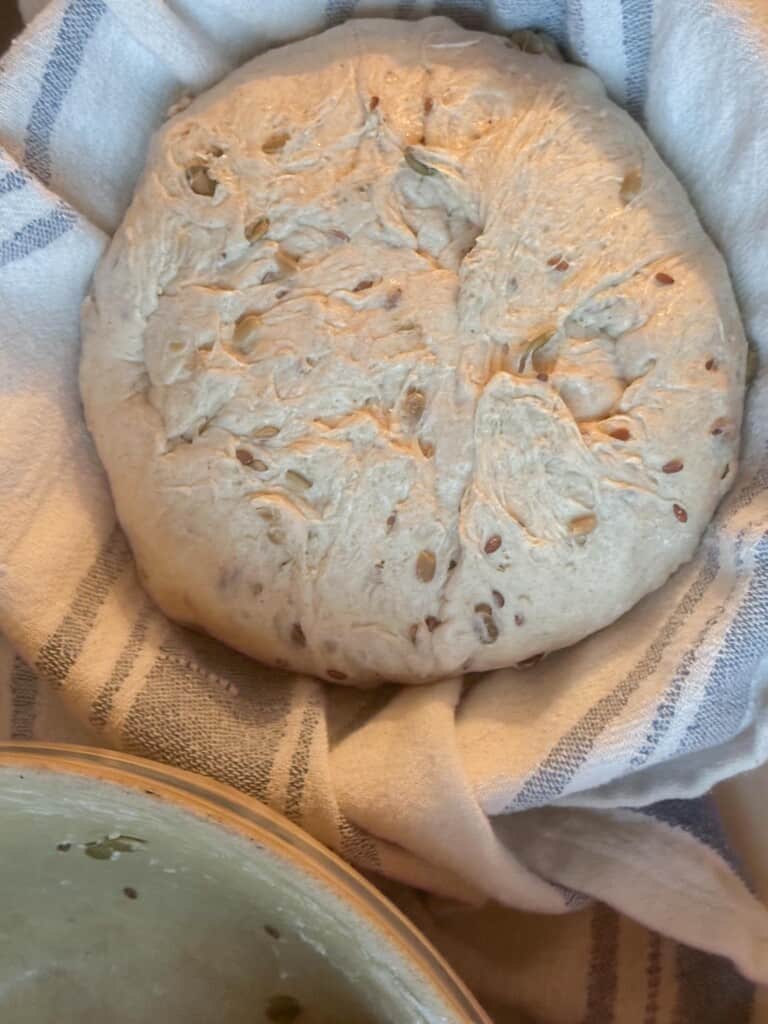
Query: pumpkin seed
[418, 165]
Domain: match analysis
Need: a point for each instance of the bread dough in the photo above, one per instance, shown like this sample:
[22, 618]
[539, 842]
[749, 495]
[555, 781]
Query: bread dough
[409, 358]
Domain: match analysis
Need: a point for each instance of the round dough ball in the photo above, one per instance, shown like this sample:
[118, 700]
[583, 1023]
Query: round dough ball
[410, 358]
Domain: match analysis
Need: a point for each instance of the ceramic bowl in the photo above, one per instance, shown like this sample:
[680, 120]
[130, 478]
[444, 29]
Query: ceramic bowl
[134, 892]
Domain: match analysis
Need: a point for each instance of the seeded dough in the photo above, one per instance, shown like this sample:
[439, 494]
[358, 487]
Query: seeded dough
[410, 357]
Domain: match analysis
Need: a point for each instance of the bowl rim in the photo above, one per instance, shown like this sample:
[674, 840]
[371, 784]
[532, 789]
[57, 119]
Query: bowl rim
[209, 798]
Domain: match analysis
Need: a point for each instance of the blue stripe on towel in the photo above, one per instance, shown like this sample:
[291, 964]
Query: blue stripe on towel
[12, 181]
[726, 697]
[699, 818]
[569, 753]
[637, 28]
[76, 28]
[575, 30]
[37, 234]
[337, 11]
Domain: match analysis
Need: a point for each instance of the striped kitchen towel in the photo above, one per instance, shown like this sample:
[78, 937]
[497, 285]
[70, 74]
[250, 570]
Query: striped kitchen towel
[568, 790]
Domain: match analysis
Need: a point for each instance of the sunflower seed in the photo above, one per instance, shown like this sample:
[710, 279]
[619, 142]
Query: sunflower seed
[256, 229]
[200, 180]
[426, 563]
[492, 544]
[630, 186]
[582, 525]
[275, 142]
[297, 480]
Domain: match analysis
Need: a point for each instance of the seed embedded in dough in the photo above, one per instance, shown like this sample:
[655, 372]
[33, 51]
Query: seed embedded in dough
[673, 466]
[427, 448]
[620, 434]
[363, 286]
[492, 544]
[680, 514]
[275, 535]
[498, 597]
[373, 102]
[483, 609]
[630, 186]
[297, 635]
[334, 673]
[519, 619]
[245, 327]
[393, 298]
[414, 404]
[582, 525]
[413, 632]
[297, 480]
[391, 520]
[538, 341]
[721, 426]
[711, 364]
[558, 263]
[256, 229]
[426, 563]
[266, 432]
[244, 456]
[418, 165]
[530, 662]
[726, 471]
[485, 627]
[275, 142]
[431, 623]
[663, 278]
[200, 180]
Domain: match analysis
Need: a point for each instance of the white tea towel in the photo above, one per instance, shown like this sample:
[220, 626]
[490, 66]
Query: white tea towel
[540, 789]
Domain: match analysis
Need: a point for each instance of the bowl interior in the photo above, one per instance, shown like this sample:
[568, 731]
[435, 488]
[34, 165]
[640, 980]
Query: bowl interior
[134, 902]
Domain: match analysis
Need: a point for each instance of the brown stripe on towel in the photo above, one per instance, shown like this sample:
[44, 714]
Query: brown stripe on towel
[24, 687]
[61, 650]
